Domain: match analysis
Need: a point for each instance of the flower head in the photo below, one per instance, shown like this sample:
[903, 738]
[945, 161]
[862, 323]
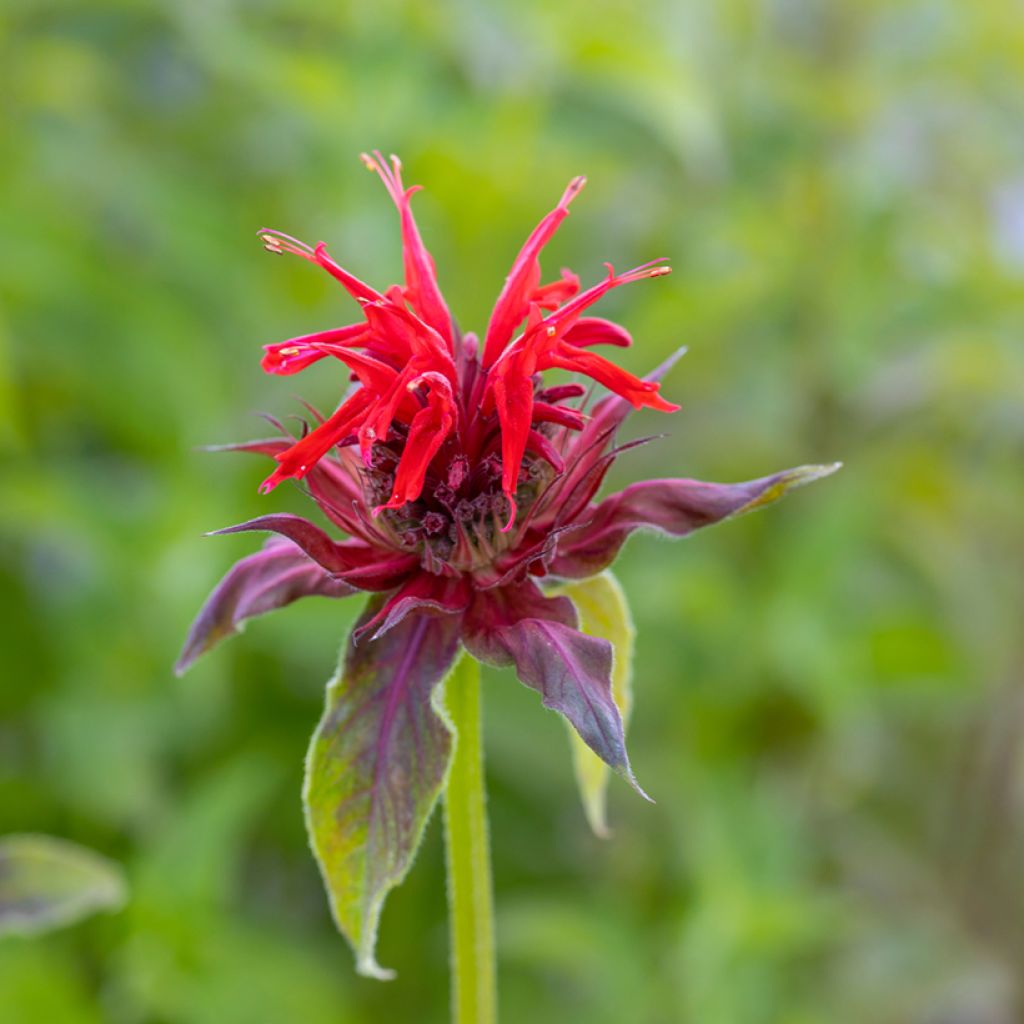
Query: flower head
[462, 482]
[428, 401]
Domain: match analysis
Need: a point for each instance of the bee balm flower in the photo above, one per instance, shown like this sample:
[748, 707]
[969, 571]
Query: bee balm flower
[462, 483]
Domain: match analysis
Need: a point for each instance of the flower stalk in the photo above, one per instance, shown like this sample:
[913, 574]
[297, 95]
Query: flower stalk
[467, 846]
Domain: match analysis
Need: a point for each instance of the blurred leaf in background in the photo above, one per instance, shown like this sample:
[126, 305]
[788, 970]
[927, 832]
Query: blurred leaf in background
[828, 695]
[48, 883]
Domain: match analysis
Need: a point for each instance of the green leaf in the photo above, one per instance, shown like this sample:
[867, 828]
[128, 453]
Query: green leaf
[604, 613]
[375, 768]
[48, 883]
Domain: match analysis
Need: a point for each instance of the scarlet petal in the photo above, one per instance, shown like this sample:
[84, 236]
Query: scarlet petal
[382, 411]
[287, 357]
[427, 432]
[513, 302]
[593, 330]
[302, 456]
[356, 288]
[637, 392]
[543, 337]
[374, 374]
[421, 289]
[513, 400]
[561, 392]
[409, 337]
[543, 412]
[538, 443]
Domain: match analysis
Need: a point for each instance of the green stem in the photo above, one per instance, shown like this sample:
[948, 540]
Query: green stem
[470, 903]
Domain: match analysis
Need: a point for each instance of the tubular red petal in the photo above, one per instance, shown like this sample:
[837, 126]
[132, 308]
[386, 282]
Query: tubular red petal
[513, 302]
[513, 400]
[302, 456]
[544, 335]
[537, 442]
[378, 419]
[545, 413]
[372, 373]
[409, 336]
[593, 330]
[287, 357]
[429, 429]
[637, 392]
[421, 288]
[356, 288]
[561, 392]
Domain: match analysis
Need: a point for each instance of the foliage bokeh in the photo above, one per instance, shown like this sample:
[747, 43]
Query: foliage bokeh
[828, 694]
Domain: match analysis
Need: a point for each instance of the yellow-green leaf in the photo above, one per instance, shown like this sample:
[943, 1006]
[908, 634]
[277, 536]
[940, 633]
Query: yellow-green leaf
[375, 769]
[604, 613]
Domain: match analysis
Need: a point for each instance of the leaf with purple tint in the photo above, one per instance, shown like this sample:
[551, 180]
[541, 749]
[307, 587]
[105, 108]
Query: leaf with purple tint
[48, 883]
[447, 595]
[604, 613]
[519, 626]
[272, 578]
[358, 563]
[674, 507]
[375, 768]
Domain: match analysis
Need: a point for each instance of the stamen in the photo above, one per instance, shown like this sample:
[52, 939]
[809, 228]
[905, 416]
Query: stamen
[278, 242]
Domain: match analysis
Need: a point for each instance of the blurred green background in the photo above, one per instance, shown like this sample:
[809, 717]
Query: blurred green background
[829, 710]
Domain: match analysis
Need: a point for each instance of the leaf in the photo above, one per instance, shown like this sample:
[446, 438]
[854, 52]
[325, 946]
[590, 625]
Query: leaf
[672, 507]
[269, 579]
[48, 883]
[604, 612]
[375, 768]
[520, 626]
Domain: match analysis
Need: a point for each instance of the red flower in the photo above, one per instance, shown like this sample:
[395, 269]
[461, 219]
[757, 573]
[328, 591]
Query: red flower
[456, 474]
[461, 480]
[425, 390]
